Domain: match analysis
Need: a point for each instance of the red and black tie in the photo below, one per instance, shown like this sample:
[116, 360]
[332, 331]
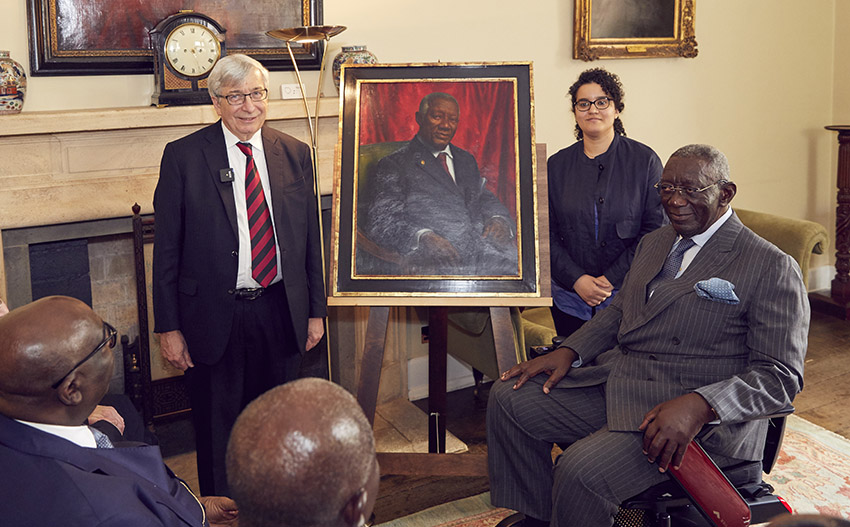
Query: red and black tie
[263, 252]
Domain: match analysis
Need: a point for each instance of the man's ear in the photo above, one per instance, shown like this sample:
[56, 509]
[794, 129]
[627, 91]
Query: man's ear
[727, 192]
[69, 391]
[353, 511]
[418, 117]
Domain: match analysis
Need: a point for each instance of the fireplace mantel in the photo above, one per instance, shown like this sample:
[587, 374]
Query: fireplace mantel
[78, 165]
[104, 119]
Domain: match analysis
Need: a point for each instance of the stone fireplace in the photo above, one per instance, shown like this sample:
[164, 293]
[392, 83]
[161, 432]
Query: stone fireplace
[68, 181]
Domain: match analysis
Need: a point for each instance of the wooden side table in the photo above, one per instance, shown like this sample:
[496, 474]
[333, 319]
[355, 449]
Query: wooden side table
[839, 299]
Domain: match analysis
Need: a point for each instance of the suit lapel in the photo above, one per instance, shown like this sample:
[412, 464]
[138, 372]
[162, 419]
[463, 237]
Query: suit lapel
[215, 152]
[643, 270]
[714, 256]
[275, 164]
[425, 161]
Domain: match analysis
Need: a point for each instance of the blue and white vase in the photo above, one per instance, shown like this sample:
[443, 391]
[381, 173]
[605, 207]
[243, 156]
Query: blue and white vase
[13, 85]
[351, 55]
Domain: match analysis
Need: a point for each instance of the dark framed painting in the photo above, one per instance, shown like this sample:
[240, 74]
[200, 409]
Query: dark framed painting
[435, 195]
[111, 37]
[609, 29]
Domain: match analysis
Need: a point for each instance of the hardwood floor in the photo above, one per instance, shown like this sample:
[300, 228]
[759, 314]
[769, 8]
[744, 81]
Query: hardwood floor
[822, 402]
[826, 387]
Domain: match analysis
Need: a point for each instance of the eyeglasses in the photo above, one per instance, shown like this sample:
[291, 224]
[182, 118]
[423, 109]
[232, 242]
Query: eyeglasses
[235, 99]
[109, 339]
[601, 103]
[666, 190]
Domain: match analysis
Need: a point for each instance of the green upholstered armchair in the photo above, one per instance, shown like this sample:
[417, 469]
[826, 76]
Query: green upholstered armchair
[798, 238]
[367, 250]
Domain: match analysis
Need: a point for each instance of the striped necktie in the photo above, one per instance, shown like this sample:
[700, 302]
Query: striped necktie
[671, 265]
[263, 251]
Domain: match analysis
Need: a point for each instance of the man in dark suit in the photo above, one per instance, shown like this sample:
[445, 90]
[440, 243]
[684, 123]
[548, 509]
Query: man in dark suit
[277, 482]
[709, 327]
[237, 272]
[56, 360]
[432, 207]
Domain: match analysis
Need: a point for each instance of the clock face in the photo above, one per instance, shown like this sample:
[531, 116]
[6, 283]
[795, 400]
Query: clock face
[192, 49]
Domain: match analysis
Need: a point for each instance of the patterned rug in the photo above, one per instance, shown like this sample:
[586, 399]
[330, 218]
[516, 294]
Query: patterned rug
[812, 475]
[813, 470]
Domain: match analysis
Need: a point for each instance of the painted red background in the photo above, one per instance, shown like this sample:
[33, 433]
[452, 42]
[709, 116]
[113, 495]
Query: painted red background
[487, 126]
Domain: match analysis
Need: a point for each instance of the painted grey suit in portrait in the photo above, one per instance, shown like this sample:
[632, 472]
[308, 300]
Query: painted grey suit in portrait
[745, 359]
[413, 194]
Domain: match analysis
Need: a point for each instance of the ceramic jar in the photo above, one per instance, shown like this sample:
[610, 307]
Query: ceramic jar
[351, 55]
[13, 85]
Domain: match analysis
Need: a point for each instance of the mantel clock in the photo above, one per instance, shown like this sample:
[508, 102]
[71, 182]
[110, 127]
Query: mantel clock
[186, 46]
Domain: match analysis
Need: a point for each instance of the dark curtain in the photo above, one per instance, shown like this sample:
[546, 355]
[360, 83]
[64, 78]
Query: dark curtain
[487, 126]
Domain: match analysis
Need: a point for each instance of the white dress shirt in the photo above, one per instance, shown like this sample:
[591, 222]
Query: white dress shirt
[237, 160]
[80, 435]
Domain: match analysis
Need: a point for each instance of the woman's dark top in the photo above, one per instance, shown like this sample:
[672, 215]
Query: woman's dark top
[598, 211]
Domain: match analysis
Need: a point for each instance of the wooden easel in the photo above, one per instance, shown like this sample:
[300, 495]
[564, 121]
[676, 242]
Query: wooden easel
[436, 461]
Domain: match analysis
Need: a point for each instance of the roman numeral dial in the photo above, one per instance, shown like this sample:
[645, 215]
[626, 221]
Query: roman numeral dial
[192, 49]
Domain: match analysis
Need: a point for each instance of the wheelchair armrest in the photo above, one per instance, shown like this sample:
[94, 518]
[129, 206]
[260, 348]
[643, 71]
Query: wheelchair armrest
[710, 489]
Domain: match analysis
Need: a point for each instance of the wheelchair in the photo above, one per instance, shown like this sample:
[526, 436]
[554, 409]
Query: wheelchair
[667, 504]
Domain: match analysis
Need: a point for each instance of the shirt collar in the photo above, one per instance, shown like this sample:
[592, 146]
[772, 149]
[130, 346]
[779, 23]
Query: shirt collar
[702, 238]
[79, 435]
[230, 139]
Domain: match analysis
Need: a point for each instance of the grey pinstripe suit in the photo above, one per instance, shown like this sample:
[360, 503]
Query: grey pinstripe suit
[745, 359]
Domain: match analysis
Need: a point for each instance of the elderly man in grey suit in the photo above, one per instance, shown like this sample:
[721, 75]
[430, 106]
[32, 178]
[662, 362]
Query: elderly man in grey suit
[709, 327]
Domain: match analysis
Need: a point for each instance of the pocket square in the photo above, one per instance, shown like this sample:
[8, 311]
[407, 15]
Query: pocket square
[717, 290]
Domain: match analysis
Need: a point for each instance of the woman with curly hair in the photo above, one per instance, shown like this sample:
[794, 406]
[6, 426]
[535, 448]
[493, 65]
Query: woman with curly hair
[601, 202]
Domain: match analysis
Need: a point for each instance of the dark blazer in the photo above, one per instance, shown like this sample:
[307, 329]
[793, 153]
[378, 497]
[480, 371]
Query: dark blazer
[47, 480]
[196, 241]
[622, 191]
[413, 192]
[745, 359]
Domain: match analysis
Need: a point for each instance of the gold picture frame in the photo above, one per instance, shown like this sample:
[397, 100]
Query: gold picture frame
[378, 129]
[614, 29]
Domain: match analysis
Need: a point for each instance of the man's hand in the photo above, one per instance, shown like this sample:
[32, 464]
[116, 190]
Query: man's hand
[498, 230]
[438, 249]
[593, 290]
[670, 426]
[315, 330]
[108, 414]
[220, 510]
[556, 363]
[173, 347]
[3, 308]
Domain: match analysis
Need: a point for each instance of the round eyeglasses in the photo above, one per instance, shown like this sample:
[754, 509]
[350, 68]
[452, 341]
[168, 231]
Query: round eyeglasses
[601, 103]
[666, 190]
[236, 99]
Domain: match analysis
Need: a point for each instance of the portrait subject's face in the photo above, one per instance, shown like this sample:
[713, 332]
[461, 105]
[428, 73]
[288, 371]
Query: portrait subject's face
[243, 119]
[438, 125]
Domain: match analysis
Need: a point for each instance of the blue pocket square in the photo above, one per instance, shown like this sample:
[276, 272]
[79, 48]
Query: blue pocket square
[717, 290]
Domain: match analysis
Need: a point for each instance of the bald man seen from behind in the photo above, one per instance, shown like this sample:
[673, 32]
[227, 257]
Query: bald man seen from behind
[312, 465]
[56, 360]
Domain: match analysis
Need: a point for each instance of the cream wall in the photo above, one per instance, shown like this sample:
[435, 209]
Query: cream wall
[769, 75]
